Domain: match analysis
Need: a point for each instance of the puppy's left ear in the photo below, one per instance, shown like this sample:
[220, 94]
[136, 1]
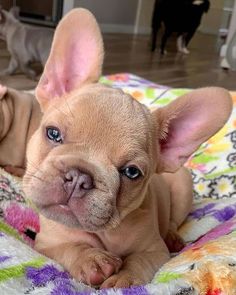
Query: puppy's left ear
[187, 122]
[75, 59]
[2, 16]
[15, 11]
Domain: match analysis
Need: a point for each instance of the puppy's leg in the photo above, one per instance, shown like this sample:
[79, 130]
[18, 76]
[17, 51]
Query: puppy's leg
[30, 73]
[181, 188]
[79, 252]
[12, 67]
[139, 268]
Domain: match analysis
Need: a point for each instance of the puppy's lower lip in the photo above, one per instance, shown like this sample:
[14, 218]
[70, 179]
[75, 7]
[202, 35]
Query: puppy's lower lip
[65, 207]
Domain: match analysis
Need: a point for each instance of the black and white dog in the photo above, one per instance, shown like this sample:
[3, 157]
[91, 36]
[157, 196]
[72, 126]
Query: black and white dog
[182, 16]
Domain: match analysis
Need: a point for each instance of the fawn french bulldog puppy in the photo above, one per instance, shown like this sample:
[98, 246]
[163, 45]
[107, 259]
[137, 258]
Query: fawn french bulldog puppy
[99, 163]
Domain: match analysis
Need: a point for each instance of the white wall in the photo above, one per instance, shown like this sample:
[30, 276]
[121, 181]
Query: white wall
[112, 15]
[211, 21]
[134, 16]
[232, 27]
[144, 16]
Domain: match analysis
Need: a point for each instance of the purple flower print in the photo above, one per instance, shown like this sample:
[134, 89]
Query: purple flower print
[139, 290]
[4, 258]
[65, 287]
[220, 215]
[202, 212]
[44, 275]
[225, 213]
[62, 283]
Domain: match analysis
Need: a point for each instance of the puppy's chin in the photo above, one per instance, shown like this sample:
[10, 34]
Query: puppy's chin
[61, 214]
[64, 215]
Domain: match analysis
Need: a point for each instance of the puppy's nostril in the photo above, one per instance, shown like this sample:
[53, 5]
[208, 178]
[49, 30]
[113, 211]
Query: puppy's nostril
[77, 182]
[71, 175]
[68, 178]
[86, 182]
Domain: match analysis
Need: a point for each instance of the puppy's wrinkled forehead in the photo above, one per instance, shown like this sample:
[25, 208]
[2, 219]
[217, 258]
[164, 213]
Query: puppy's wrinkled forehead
[98, 116]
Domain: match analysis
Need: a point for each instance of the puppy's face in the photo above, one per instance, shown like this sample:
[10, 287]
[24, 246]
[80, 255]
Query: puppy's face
[90, 160]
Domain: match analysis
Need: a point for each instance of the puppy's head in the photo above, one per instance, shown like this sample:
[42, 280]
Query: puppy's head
[90, 161]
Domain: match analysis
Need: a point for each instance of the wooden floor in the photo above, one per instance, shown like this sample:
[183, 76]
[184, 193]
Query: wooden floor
[200, 68]
[126, 53]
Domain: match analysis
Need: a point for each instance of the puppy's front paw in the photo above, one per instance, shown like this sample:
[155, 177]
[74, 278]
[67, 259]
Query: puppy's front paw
[95, 266]
[123, 279]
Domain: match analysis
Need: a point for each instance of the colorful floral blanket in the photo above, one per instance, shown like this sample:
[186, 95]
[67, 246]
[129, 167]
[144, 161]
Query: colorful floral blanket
[206, 266]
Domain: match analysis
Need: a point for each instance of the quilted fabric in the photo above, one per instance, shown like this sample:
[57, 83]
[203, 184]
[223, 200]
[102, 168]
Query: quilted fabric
[206, 266]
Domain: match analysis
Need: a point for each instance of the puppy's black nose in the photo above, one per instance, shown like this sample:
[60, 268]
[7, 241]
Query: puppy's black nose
[77, 183]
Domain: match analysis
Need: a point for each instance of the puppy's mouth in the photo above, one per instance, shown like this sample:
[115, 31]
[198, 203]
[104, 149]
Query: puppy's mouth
[75, 197]
[63, 213]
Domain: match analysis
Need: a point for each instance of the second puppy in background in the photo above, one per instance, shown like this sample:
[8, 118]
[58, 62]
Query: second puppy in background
[25, 43]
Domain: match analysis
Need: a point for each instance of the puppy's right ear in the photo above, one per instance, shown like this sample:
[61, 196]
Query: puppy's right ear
[2, 16]
[75, 59]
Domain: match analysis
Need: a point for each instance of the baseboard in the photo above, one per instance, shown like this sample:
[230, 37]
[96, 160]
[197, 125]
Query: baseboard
[115, 28]
[129, 29]
[208, 31]
[125, 29]
[144, 30]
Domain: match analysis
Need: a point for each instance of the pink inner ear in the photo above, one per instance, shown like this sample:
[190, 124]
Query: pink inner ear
[189, 121]
[74, 67]
[178, 145]
[185, 133]
[76, 56]
[82, 57]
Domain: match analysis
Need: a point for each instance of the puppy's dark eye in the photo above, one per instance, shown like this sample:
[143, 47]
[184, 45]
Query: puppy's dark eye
[54, 134]
[132, 172]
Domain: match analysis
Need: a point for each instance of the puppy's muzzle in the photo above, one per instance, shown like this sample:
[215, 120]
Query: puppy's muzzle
[77, 183]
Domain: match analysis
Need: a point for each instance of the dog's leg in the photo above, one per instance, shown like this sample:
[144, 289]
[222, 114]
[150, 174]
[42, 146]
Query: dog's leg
[179, 42]
[12, 67]
[165, 36]
[156, 22]
[154, 39]
[139, 268]
[189, 36]
[181, 189]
